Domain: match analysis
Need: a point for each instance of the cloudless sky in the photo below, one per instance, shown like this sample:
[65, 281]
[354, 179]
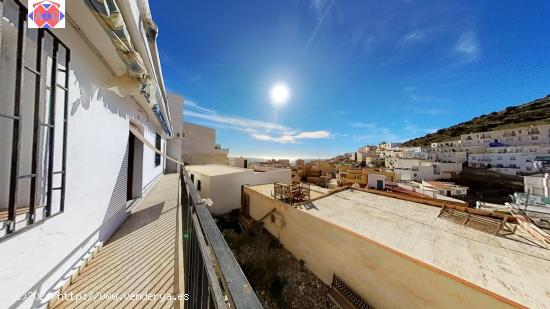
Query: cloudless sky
[359, 71]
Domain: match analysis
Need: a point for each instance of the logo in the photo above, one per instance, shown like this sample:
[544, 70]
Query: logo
[46, 14]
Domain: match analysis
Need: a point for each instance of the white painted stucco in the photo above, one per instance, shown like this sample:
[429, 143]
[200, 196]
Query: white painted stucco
[42, 258]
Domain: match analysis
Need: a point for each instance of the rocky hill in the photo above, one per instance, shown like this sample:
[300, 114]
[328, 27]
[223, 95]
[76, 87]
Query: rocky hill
[535, 112]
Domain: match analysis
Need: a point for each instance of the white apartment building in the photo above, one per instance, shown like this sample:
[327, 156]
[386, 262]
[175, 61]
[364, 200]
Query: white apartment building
[199, 146]
[447, 144]
[77, 106]
[223, 184]
[504, 151]
[448, 156]
[522, 136]
[511, 160]
[418, 170]
[412, 153]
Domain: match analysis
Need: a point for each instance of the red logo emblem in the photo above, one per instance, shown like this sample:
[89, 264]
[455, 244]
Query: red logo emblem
[46, 14]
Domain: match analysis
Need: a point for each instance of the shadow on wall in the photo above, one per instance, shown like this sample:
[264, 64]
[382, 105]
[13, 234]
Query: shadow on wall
[116, 210]
[89, 92]
[113, 218]
[85, 92]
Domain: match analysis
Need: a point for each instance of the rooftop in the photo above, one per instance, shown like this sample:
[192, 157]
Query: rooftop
[513, 266]
[443, 185]
[215, 169]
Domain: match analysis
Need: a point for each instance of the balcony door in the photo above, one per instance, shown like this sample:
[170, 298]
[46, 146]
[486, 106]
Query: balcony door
[135, 168]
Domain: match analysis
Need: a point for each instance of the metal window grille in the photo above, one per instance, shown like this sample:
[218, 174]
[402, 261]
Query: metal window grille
[34, 89]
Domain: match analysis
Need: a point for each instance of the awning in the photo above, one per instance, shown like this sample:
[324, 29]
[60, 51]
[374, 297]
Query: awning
[110, 18]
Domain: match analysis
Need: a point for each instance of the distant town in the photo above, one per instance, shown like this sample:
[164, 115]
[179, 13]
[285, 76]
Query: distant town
[415, 200]
[435, 170]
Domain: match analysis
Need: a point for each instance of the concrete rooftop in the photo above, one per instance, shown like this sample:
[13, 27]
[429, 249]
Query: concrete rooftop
[214, 169]
[514, 266]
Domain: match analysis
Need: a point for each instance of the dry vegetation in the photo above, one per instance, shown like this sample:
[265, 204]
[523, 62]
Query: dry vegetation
[279, 280]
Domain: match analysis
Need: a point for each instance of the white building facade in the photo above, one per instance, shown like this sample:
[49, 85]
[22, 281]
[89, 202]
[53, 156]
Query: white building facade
[513, 160]
[199, 146]
[522, 136]
[69, 162]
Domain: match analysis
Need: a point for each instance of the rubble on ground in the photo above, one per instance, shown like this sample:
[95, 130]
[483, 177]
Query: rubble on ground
[279, 280]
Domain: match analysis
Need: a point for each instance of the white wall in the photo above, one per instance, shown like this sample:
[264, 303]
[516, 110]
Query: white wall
[174, 145]
[225, 190]
[373, 180]
[98, 128]
[199, 146]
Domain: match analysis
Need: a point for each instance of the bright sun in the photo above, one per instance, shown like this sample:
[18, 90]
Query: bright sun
[279, 94]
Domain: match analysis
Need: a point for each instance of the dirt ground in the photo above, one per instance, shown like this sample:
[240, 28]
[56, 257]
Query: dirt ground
[279, 280]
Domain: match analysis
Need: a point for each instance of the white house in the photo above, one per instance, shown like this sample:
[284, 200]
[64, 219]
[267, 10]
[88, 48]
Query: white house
[376, 181]
[73, 120]
[199, 146]
[223, 184]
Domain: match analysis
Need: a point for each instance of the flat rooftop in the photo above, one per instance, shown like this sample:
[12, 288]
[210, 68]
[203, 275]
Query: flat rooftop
[514, 266]
[214, 169]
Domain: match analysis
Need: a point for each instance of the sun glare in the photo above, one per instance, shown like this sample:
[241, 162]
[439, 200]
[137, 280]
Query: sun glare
[279, 94]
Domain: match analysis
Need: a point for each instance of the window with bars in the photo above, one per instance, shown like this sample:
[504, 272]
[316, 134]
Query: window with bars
[158, 145]
[33, 121]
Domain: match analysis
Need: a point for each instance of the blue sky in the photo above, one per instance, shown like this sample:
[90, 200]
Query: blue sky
[360, 72]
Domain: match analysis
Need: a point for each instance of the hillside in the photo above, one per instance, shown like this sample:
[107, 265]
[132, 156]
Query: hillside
[535, 112]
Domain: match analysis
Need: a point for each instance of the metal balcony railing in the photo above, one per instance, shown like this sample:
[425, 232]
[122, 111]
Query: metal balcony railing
[213, 278]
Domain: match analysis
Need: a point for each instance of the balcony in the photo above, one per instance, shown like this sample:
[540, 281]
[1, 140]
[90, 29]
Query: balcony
[169, 245]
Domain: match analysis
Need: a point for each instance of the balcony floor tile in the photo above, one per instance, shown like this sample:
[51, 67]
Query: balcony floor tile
[139, 258]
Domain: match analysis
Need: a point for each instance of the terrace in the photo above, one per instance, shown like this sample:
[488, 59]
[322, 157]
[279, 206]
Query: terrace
[397, 243]
[169, 245]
